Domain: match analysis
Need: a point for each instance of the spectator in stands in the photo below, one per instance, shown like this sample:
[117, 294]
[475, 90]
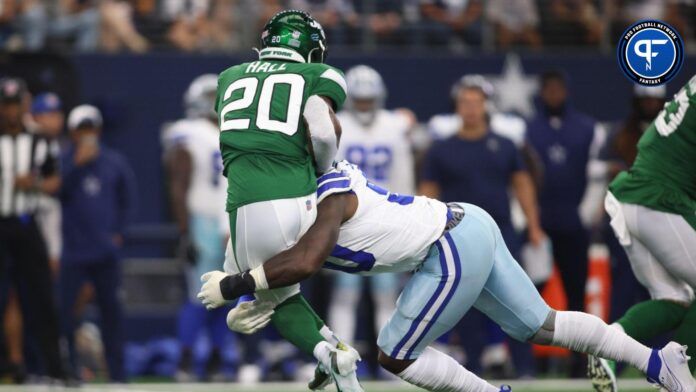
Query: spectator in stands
[382, 19]
[571, 23]
[188, 22]
[117, 27]
[337, 17]
[480, 166]
[73, 19]
[199, 25]
[443, 19]
[515, 22]
[98, 199]
[563, 138]
[625, 12]
[618, 153]
[30, 24]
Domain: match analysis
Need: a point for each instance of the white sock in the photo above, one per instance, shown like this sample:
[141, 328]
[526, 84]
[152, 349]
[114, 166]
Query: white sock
[437, 372]
[342, 313]
[328, 335]
[586, 333]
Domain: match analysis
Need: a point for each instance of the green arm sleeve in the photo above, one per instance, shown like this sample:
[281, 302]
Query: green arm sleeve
[298, 323]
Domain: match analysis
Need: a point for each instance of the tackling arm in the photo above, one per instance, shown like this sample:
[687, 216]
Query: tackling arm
[290, 266]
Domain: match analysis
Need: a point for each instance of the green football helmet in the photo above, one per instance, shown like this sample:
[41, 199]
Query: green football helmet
[295, 36]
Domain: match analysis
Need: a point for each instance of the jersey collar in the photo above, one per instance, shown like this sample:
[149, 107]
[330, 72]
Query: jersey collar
[280, 54]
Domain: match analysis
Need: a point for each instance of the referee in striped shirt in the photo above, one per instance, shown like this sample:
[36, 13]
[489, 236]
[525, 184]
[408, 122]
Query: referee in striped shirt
[28, 168]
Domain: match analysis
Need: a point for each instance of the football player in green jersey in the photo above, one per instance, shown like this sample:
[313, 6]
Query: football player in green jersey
[653, 214]
[277, 132]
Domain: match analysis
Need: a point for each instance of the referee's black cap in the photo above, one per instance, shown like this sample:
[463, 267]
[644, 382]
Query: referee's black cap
[12, 90]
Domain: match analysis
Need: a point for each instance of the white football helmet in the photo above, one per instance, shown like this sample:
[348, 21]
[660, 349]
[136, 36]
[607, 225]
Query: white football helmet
[199, 99]
[366, 93]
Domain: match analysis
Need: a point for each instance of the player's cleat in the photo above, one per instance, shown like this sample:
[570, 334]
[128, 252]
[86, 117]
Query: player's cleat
[340, 366]
[669, 368]
[602, 374]
[505, 388]
[321, 379]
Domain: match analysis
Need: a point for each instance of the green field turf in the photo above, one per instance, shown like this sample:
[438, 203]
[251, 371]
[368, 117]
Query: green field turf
[556, 385]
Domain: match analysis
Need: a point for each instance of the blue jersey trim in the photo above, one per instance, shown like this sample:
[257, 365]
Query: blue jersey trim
[364, 260]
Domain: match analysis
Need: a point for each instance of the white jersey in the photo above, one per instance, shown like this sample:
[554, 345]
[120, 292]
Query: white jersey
[200, 137]
[382, 149]
[388, 233]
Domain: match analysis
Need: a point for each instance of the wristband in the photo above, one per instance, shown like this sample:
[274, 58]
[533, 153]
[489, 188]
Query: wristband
[235, 286]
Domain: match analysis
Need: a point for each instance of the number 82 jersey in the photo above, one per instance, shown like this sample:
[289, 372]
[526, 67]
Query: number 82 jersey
[263, 139]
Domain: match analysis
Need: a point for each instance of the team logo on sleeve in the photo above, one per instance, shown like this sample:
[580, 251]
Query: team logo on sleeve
[650, 52]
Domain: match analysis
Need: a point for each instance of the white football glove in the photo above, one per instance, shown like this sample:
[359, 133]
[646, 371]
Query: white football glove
[210, 294]
[249, 317]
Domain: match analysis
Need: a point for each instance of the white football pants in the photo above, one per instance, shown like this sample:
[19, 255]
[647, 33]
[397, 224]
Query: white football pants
[661, 247]
[262, 230]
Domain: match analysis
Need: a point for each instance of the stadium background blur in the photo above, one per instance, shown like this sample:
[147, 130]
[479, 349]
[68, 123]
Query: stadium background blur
[134, 59]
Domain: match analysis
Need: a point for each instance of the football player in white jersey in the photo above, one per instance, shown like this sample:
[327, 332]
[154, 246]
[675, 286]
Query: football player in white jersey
[377, 140]
[197, 193]
[459, 260]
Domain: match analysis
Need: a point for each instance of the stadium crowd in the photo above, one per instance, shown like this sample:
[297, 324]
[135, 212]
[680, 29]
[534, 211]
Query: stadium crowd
[228, 25]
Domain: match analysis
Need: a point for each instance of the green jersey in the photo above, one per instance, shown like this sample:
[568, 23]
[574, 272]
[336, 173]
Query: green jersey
[663, 177]
[264, 139]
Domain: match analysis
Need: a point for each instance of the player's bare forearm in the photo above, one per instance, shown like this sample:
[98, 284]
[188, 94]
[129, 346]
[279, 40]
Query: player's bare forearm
[308, 255]
[179, 166]
[288, 267]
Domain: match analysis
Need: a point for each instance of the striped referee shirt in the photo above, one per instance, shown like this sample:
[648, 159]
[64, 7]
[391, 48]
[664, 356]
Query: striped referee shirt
[21, 155]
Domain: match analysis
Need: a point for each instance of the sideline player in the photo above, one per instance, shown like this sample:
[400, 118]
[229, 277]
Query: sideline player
[652, 207]
[278, 130]
[197, 193]
[378, 141]
[460, 260]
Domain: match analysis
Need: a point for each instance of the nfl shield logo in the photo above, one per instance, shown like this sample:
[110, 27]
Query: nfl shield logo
[309, 205]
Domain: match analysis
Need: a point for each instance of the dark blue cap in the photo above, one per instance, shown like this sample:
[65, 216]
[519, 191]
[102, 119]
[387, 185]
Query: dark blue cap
[46, 102]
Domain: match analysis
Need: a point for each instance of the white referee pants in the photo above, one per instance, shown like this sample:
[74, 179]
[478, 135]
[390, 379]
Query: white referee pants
[262, 230]
[661, 247]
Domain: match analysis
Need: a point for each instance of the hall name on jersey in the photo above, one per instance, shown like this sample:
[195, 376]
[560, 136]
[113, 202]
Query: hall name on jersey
[262, 66]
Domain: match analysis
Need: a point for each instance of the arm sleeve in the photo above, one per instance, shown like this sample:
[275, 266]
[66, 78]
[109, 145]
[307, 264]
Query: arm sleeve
[322, 132]
[332, 85]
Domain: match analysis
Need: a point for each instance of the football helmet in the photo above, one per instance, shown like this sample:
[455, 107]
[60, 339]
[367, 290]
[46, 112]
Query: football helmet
[366, 93]
[199, 99]
[295, 36]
